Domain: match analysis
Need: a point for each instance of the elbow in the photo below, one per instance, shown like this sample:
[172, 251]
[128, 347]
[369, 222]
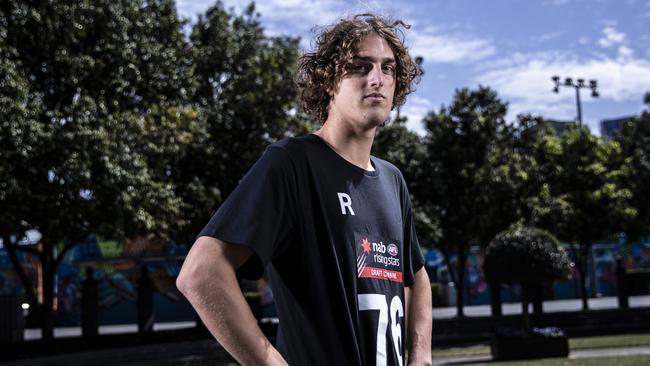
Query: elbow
[190, 276]
[209, 263]
[181, 283]
[184, 282]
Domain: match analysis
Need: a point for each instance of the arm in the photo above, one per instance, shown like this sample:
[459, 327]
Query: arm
[208, 281]
[419, 320]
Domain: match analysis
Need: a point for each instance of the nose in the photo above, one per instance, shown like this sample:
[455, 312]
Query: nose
[376, 77]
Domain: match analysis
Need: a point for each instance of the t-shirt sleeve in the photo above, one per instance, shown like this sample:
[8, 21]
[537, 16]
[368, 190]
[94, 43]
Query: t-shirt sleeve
[259, 213]
[415, 260]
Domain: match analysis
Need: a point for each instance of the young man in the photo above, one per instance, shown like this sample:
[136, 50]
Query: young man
[331, 223]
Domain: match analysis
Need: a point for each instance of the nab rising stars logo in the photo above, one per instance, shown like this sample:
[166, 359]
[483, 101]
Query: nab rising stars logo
[373, 263]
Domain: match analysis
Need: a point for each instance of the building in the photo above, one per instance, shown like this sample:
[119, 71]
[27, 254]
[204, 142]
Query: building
[609, 127]
[558, 126]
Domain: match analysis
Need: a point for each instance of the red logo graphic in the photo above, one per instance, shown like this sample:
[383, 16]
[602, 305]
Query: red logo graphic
[366, 245]
[392, 249]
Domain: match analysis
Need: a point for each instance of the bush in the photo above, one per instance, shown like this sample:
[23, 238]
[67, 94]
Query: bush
[525, 255]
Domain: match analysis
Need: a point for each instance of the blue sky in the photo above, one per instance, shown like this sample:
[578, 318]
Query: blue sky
[513, 46]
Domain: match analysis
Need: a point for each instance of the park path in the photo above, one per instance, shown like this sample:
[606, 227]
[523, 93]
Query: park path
[551, 306]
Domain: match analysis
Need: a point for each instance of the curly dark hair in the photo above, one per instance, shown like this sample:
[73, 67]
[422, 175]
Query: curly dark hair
[321, 71]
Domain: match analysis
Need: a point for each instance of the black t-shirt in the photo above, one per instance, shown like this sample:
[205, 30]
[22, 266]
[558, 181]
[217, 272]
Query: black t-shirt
[339, 245]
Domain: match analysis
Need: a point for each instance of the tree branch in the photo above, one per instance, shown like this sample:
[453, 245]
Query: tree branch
[29, 290]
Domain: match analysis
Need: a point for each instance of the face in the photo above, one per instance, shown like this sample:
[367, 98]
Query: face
[365, 93]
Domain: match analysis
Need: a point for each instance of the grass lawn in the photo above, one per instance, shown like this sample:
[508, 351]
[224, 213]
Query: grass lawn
[627, 340]
[601, 361]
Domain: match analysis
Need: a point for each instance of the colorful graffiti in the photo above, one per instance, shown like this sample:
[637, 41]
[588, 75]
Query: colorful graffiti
[116, 273]
[601, 273]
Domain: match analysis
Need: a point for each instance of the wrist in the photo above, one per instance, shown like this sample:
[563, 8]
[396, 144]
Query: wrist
[274, 358]
[420, 362]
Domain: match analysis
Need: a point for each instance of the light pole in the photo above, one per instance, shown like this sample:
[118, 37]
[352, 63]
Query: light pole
[578, 84]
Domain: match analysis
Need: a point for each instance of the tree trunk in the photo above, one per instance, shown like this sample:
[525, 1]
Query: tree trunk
[48, 274]
[460, 286]
[582, 273]
[525, 300]
[579, 256]
[538, 299]
[495, 299]
[621, 285]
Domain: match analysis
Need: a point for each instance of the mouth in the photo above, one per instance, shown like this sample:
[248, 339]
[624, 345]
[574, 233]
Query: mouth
[375, 96]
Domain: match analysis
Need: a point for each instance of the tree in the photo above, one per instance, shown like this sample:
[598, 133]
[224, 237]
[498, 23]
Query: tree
[527, 256]
[243, 84]
[116, 125]
[83, 79]
[581, 198]
[468, 184]
[634, 140]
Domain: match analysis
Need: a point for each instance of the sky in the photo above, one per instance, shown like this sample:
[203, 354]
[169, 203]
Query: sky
[512, 46]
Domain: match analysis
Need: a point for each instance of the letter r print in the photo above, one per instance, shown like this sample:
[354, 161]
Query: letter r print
[346, 203]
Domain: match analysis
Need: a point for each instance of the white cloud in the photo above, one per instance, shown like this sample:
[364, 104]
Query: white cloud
[297, 17]
[624, 52]
[583, 40]
[447, 48]
[284, 16]
[415, 109]
[611, 37]
[526, 81]
[190, 8]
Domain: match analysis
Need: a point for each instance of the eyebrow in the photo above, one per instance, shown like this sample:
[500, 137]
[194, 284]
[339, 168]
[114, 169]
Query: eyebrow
[372, 59]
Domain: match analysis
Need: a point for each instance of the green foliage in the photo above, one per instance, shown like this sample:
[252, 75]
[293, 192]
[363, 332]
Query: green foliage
[581, 197]
[94, 69]
[634, 140]
[467, 187]
[245, 86]
[113, 123]
[525, 255]
[576, 189]
[466, 182]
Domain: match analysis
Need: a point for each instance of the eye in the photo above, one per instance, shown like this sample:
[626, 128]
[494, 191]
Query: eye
[359, 68]
[388, 69]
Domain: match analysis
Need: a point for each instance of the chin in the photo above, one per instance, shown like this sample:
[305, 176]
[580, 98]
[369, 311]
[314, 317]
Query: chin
[377, 119]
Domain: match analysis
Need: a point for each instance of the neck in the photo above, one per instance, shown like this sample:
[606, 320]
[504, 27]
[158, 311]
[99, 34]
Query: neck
[353, 145]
